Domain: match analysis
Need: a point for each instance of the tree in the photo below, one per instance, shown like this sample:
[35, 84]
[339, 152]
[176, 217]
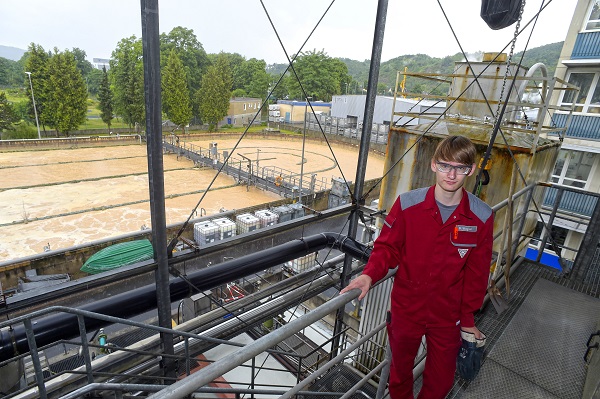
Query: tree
[321, 76]
[7, 113]
[93, 80]
[127, 81]
[175, 94]
[239, 93]
[105, 99]
[21, 109]
[192, 55]
[215, 92]
[340, 71]
[4, 71]
[240, 74]
[37, 63]
[11, 73]
[66, 108]
[258, 84]
[84, 66]
[280, 91]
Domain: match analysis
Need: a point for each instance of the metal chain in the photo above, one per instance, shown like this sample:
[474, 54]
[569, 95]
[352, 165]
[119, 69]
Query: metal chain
[509, 59]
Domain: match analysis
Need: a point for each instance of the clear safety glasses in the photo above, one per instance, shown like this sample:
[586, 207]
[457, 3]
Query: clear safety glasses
[446, 168]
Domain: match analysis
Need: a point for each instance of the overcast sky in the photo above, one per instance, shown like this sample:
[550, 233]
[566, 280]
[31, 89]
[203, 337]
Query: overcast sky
[241, 26]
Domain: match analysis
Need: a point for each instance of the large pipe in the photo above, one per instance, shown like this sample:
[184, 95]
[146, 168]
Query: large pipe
[64, 326]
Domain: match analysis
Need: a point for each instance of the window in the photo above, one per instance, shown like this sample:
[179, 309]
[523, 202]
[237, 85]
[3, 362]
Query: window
[593, 20]
[588, 100]
[573, 168]
[559, 234]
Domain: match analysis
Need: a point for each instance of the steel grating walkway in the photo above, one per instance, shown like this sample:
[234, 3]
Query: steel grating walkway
[540, 353]
[565, 298]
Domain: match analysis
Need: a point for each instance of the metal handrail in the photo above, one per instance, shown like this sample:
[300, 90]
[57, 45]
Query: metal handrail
[189, 384]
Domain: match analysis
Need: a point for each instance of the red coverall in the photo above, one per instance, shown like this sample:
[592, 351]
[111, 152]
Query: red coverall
[441, 281]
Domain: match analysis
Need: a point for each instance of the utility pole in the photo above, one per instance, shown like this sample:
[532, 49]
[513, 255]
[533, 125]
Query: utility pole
[37, 123]
[303, 143]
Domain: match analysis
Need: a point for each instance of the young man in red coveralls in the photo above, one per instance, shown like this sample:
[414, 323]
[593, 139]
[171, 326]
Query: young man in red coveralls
[440, 238]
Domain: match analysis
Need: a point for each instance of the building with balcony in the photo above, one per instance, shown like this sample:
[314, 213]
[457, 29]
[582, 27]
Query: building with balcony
[578, 162]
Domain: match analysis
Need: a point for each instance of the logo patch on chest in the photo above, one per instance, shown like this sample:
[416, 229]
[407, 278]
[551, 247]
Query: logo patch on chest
[462, 252]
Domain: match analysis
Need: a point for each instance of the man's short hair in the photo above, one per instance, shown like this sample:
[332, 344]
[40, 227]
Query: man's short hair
[456, 149]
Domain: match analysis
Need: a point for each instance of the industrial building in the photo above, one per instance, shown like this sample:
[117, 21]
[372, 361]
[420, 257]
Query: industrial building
[352, 107]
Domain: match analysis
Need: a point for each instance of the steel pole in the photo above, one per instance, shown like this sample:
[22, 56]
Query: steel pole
[37, 123]
[152, 87]
[303, 143]
[363, 153]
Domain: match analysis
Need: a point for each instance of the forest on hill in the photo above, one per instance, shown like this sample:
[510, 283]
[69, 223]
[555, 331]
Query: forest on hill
[422, 63]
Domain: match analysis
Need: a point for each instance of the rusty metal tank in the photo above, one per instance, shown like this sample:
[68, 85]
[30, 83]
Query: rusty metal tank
[520, 145]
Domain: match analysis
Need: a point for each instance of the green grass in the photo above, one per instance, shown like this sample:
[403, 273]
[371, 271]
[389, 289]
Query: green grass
[92, 109]
[93, 120]
[241, 129]
[96, 123]
[15, 95]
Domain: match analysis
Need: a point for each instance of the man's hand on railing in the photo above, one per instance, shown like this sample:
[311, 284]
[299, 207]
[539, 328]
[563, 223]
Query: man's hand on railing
[362, 282]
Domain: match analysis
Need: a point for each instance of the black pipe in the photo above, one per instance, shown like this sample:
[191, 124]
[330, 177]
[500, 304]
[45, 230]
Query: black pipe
[64, 325]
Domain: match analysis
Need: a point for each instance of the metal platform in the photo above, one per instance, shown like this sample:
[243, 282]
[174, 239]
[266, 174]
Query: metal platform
[540, 353]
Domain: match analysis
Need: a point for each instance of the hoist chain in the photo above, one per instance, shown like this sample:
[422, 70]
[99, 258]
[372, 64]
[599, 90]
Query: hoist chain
[509, 59]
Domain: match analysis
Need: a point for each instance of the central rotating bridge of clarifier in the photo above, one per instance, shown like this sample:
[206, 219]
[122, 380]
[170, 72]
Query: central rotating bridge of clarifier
[264, 344]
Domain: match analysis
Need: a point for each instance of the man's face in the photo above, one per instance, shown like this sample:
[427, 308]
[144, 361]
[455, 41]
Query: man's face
[450, 176]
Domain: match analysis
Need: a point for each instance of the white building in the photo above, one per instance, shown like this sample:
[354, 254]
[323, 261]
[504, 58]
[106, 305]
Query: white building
[353, 107]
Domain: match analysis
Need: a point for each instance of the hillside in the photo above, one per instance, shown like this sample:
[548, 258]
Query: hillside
[11, 53]
[359, 70]
[548, 54]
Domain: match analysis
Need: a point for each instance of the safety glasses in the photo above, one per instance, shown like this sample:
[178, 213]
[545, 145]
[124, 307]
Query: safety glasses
[446, 168]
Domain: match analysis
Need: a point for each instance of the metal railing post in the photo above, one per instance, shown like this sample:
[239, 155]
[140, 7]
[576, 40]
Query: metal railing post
[299, 371]
[555, 206]
[85, 349]
[35, 358]
[252, 376]
[187, 356]
[528, 198]
[385, 374]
